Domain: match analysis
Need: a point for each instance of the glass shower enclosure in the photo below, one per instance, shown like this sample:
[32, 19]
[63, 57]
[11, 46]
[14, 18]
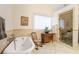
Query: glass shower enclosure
[66, 27]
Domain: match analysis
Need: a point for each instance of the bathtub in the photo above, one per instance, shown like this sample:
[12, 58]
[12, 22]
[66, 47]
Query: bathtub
[21, 45]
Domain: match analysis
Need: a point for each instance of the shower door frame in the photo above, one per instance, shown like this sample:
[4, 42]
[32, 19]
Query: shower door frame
[75, 18]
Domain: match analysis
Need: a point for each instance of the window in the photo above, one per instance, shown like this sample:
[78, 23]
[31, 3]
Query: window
[62, 23]
[40, 22]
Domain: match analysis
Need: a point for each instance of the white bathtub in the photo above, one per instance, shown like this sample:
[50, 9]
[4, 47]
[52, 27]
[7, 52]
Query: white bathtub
[20, 45]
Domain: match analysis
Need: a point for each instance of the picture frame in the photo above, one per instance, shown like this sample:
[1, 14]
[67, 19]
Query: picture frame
[24, 21]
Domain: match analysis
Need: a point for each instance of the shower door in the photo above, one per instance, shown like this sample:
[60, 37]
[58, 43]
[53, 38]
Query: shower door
[66, 26]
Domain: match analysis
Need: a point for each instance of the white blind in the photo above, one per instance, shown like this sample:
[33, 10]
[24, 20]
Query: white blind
[40, 22]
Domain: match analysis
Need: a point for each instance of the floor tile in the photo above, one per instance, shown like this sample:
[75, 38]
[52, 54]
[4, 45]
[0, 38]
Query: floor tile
[55, 48]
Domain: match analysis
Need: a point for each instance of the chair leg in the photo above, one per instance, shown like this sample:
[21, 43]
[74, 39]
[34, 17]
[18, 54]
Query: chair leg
[36, 47]
[41, 45]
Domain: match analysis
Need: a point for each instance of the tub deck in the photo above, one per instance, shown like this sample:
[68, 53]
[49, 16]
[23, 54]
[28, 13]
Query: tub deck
[20, 45]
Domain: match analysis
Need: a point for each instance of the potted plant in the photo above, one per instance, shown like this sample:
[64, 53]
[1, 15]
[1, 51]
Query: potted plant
[46, 30]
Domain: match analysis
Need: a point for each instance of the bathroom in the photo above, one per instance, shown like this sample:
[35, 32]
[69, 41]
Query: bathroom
[13, 21]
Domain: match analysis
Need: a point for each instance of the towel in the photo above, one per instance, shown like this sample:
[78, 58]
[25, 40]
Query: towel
[2, 28]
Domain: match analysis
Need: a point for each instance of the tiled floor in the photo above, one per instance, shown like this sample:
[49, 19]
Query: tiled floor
[55, 48]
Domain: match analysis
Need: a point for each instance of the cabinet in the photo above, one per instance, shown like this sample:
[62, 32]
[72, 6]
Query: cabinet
[46, 37]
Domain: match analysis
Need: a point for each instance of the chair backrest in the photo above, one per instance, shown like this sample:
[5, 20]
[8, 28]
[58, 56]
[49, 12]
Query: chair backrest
[34, 36]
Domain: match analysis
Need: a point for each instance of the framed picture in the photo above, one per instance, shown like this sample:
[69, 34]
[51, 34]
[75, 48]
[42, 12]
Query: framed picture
[24, 21]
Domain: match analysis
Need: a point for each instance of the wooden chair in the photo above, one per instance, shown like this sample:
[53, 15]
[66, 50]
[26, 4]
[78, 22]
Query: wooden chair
[36, 41]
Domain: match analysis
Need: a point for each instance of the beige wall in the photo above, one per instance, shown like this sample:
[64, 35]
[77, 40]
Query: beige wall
[6, 12]
[12, 13]
[30, 10]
